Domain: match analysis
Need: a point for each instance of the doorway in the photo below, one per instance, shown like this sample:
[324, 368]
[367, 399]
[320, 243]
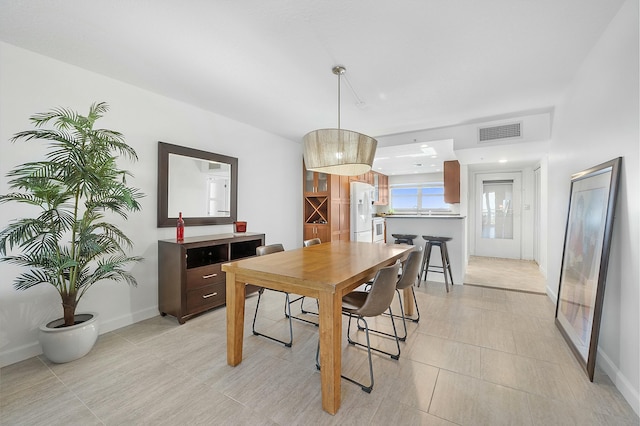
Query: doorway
[497, 212]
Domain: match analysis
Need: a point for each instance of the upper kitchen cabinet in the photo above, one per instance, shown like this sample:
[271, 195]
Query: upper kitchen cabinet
[381, 189]
[315, 182]
[380, 184]
[452, 182]
[366, 178]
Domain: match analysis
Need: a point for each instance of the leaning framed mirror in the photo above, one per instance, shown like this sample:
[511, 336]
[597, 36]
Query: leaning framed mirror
[200, 184]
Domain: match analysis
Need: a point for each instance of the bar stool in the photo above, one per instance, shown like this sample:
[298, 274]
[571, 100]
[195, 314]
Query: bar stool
[404, 238]
[440, 242]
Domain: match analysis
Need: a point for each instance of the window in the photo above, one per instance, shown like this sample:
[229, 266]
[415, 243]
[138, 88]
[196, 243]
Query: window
[418, 198]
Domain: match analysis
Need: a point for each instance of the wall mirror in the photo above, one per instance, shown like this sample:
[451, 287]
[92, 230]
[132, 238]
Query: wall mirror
[200, 184]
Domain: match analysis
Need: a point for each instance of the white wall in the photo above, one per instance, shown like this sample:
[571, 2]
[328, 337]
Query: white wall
[544, 216]
[598, 120]
[269, 183]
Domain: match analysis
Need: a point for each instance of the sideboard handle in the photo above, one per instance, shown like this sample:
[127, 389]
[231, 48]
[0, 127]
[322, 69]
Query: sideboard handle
[206, 296]
[204, 277]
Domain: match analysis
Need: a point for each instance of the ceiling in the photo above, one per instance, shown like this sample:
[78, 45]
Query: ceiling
[411, 64]
[413, 158]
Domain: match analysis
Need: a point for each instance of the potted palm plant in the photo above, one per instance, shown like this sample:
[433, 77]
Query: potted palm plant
[70, 244]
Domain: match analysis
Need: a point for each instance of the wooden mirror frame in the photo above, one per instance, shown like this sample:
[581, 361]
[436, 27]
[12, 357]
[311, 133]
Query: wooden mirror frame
[164, 149]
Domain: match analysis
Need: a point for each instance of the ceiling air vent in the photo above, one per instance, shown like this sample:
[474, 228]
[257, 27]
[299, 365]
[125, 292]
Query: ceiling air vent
[505, 131]
[210, 166]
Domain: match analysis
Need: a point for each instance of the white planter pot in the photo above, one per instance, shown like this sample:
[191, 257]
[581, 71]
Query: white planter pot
[66, 344]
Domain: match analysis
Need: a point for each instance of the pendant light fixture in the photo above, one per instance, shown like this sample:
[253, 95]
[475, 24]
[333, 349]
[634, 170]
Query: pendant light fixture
[339, 151]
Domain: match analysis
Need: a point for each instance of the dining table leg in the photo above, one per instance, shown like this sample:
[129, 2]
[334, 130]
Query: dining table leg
[235, 319]
[330, 329]
[408, 301]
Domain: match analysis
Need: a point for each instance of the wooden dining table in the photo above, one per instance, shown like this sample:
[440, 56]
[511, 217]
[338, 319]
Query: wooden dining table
[326, 272]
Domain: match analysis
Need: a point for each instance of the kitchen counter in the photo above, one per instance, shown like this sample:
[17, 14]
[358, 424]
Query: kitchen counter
[453, 226]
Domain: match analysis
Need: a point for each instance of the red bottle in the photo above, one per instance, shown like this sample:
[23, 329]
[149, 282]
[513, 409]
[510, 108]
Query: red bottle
[180, 229]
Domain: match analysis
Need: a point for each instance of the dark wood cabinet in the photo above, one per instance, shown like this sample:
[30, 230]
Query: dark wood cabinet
[313, 230]
[366, 178]
[316, 182]
[190, 278]
[316, 217]
[384, 189]
[451, 182]
[380, 183]
[381, 189]
[327, 203]
[325, 206]
[340, 208]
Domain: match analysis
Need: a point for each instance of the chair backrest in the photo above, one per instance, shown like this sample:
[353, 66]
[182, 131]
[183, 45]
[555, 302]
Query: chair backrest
[410, 269]
[271, 248]
[383, 289]
[312, 242]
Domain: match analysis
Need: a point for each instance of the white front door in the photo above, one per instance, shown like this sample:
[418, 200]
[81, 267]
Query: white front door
[498, 204]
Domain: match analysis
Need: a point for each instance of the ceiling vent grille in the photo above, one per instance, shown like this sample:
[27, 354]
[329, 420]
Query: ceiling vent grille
[488, 134]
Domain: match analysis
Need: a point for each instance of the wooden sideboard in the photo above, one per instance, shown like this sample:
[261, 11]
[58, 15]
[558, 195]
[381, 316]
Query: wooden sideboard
[190, 278]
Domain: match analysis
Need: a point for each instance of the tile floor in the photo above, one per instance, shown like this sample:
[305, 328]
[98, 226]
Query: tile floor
[479, 356]
[505, 273]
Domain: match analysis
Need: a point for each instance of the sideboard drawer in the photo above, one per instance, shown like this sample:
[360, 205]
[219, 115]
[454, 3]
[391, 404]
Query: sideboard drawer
[190, 277]
[204, 275]
[206, 297]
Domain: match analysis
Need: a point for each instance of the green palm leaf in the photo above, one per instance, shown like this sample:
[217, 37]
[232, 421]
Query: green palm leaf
[69, 244]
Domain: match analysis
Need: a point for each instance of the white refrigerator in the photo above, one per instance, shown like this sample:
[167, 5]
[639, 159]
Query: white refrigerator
[361, 212]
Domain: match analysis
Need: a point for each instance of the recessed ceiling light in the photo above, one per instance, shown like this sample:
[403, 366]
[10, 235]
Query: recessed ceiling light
[502, 161]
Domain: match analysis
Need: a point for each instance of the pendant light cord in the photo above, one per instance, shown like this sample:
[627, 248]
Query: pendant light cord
[339, 75]
[339, 70]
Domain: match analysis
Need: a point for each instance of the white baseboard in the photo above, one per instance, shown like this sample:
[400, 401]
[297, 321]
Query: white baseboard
[631, 395]
[619, 380]
[552, 295]
[30, 350]
[20, 354]
[125, 320]
[542, 270]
